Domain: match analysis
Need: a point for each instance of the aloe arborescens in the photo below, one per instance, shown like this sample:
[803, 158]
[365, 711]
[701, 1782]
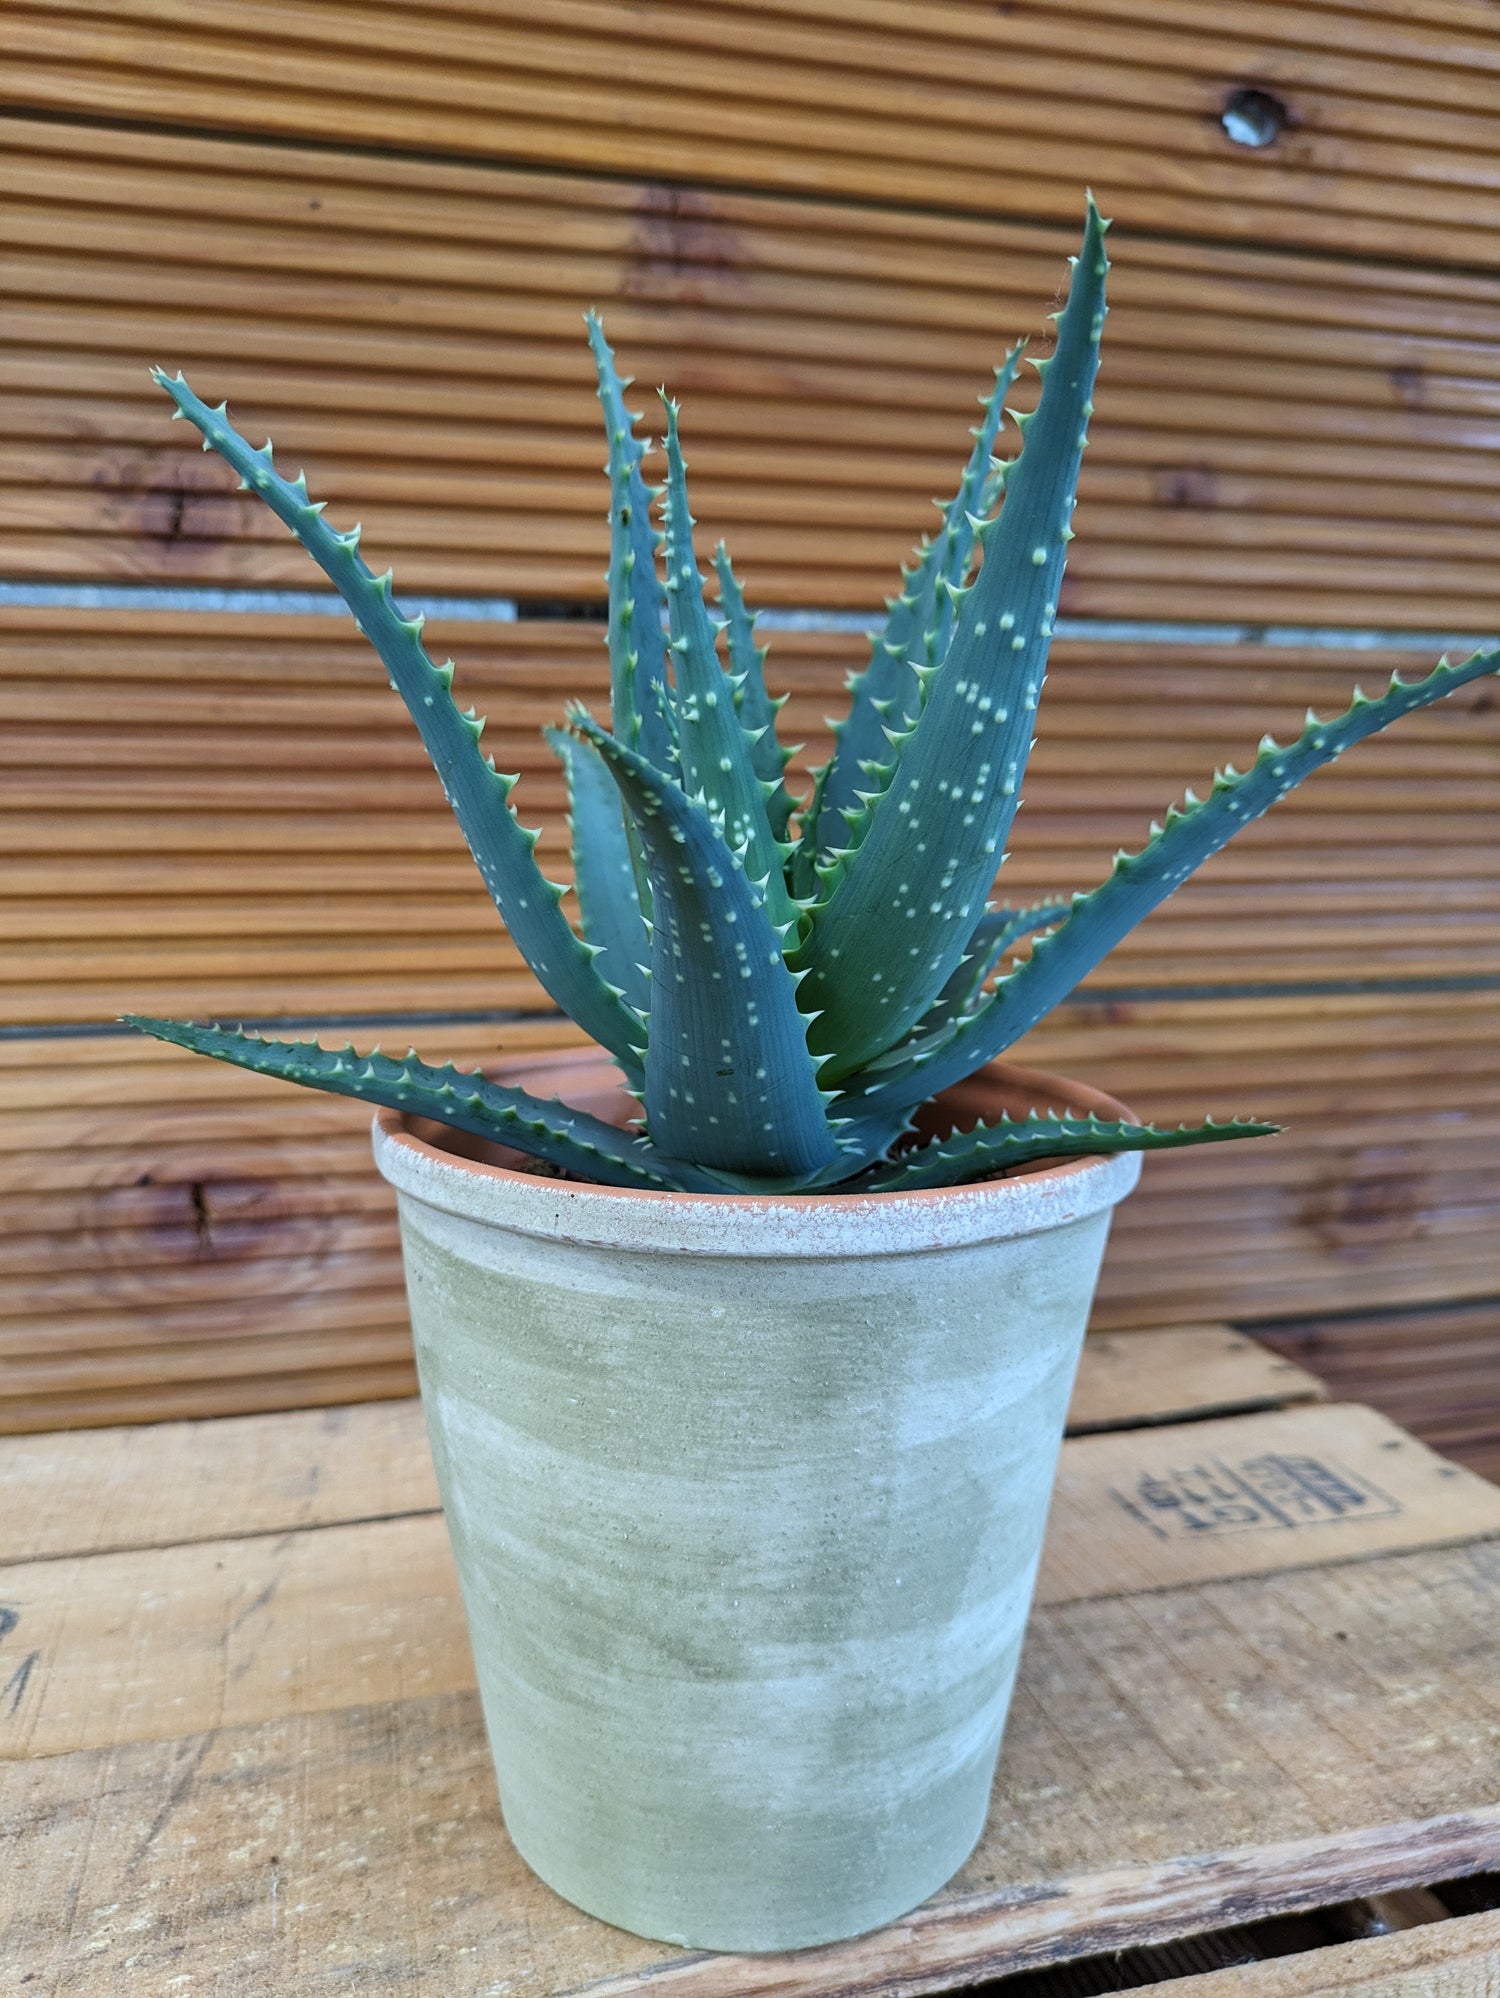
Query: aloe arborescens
[784, 985]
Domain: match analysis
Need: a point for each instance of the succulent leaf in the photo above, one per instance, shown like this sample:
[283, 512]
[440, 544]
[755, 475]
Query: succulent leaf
[546, 1129]
[478, 793]
[915, 633]
[990, 1148]
[862, 955]
[1139, 881]
[729, 1080]
[756, 710]
[802, 861]
[637, 605]
[943, 613]
[714, 748]
[996, 930]
[901, 905]
[604, 880]
[994, 933]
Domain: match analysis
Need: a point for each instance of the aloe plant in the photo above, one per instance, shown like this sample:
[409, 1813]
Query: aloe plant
[785, 983]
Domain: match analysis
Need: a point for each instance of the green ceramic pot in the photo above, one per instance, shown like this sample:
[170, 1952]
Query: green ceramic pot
[747, 1498]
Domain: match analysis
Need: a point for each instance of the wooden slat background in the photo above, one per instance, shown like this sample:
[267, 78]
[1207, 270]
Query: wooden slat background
[1280, 437]
[374, 227]
[210, 813]
[965, 106]
[180, 1238]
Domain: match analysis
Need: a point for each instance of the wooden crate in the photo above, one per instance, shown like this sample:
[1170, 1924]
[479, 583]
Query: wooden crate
[241, 1745]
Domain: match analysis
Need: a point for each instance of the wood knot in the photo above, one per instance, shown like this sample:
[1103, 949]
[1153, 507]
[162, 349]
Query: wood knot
[681, 246]
[1184, 486]
[1253, 117]
[1373, 1199]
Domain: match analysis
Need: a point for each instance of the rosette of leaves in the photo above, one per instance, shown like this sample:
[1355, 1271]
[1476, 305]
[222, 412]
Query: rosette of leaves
[784, 983]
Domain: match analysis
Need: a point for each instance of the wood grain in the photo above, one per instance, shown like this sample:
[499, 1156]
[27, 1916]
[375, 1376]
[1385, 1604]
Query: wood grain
[1133, 1906]
[1390, 118]
[1267, 1763]
[409, 330]
[178, 1239]
[1449, 1959]
[1435, 1369]
[157, 1641]
[823, 247]
[67, 1494]
[209, 814]
[1252, 1494]
[1165, 1376]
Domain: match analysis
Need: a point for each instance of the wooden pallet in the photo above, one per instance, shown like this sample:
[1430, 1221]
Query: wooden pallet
[243, 1752]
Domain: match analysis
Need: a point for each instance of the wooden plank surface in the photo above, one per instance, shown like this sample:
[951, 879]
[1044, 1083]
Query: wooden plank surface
[1288, 326]
[95, 1492]
[1171, 1761]
[1390, 109]
[1452, 1959]
[1253, 1494]
[410, 330]
[1128, 1381]
[155, 1642]
[1436, 1369]
[178, 1240]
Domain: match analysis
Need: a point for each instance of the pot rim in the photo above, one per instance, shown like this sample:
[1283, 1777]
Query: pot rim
[1034, 1200]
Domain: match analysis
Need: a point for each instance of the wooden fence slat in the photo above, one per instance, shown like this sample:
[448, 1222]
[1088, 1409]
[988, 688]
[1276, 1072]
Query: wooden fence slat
[1436, 1369]
[1391, 122]
[245, 765]
[410, 330]
[1297, 425]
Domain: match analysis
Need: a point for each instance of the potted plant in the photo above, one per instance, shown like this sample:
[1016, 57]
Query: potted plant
[746, 1340]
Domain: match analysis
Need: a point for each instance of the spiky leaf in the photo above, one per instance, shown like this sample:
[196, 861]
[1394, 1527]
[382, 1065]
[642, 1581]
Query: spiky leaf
[899, 909]
[1013, 1141]
[1141, 880]
[637, 607]
[716, 752]
[757, 711]
[604, 881]
[546, 1129]
[478, 793]
[994, 933]
[802, 861]
[916, 632]
[729, 1080]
